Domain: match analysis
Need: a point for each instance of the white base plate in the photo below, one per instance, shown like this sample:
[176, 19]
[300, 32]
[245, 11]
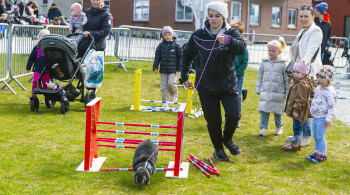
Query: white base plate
[183, 174]
[96, 165]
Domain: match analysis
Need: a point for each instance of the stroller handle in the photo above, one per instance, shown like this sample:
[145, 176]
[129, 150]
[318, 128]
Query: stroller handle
[74, 34]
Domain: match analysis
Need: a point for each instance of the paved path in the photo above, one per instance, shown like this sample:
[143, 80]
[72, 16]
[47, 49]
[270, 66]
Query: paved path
[342, 108]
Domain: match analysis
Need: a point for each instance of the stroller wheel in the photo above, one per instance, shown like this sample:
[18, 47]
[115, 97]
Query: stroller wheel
[49, 103]
[90, 95]
[34, 104]
[64, 106]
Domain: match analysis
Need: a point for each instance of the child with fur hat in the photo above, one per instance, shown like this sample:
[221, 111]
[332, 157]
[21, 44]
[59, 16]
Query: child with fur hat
[272, 86]
[322, 110]
[298, 103]
[77, 20]
[169, 56]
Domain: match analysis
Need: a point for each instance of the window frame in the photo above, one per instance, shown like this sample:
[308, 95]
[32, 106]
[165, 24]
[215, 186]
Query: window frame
[134, 14]
[184, 16]
[295, 18]
[275, 19]
[240, 11]
[250, 14]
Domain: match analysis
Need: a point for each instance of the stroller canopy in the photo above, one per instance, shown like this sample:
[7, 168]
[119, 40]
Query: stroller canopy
[60, 42]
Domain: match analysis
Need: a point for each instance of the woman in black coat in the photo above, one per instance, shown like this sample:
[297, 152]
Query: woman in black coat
[98, 26]
[219, 81]
[53, 12]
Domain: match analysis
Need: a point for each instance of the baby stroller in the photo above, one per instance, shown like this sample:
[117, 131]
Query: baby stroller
[62, 64]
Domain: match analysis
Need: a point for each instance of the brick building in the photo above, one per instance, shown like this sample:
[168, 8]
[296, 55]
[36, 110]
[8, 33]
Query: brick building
[265, 16]
[339, 12]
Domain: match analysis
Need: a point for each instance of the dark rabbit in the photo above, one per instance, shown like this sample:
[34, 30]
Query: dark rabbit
[143, 170]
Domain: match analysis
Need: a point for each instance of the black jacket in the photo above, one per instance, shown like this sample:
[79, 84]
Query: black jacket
[219, 75]
[99, 25]
[37, 58]
[2, 9]
[169, 55]
[53, 12]
[326, 28]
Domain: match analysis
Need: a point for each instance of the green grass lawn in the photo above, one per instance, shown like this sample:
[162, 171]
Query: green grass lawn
[40, 151]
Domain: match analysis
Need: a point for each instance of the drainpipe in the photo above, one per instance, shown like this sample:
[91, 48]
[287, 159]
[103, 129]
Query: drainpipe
[248, 8]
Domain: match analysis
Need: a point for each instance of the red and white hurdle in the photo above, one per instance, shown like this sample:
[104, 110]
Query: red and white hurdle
[92, 162]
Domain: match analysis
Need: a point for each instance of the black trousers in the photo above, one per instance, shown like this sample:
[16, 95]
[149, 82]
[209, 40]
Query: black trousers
[212, 113]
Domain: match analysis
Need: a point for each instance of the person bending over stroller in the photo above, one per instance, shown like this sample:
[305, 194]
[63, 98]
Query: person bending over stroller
[37, 58]
[98, 26]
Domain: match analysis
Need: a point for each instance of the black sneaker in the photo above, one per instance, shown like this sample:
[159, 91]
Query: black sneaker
[234, 149]
[220, 155]
[244, 94]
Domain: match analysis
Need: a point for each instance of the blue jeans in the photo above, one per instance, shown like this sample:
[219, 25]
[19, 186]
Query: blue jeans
[298, 128]
[240, 80]
[307, 128]
[322, 55]
[264, 120]
[319, 131]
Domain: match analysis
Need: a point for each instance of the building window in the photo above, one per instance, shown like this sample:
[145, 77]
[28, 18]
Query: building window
[183, 13]
[236, 11]
[45, 2]
[276, 16]
[255, 14]
[107, 2]
[141, 10]
[292, 18]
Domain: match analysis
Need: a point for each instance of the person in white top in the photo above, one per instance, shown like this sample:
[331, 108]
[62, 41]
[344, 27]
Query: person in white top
[307, 48]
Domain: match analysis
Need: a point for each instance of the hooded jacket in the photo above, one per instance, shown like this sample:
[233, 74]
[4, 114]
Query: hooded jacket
[99, 25]
[326, 28]
[219, 75]
[298, 99]
[53, 12]
[169, 55]
[272, 85]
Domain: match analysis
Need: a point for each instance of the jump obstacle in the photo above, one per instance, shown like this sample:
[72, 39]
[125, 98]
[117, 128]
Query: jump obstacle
[137, 99]
[92, 162]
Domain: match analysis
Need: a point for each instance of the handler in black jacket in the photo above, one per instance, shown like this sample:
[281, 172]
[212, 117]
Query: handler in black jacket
[98, 25]
[219, 82]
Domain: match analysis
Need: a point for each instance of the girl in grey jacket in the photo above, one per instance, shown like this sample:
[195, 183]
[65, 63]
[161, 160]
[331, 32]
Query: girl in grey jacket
[272, 86]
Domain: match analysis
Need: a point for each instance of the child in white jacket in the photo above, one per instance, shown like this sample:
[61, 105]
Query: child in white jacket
[322, 110]
[272, 86]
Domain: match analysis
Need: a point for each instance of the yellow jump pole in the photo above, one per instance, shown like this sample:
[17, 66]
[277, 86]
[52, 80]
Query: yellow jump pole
[189, 95]
[137, 92]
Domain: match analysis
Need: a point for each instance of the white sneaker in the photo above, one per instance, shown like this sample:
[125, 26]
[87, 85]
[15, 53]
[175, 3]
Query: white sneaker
[173, 99]
[262, 132]
[279, 131]
[305, 141]
[165, 105]
[290, 138]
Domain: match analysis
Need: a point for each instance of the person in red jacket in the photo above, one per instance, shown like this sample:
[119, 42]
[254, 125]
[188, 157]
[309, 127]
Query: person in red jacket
[322, 20]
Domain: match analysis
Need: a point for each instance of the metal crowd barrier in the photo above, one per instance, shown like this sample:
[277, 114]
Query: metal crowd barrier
[339, 43]
[144, 42]
[118, 38]
[57, 29]
[4, 60]
[21, 40]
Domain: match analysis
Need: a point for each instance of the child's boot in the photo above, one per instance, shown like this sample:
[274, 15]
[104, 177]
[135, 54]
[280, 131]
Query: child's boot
[292, 147]
[305, 141]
